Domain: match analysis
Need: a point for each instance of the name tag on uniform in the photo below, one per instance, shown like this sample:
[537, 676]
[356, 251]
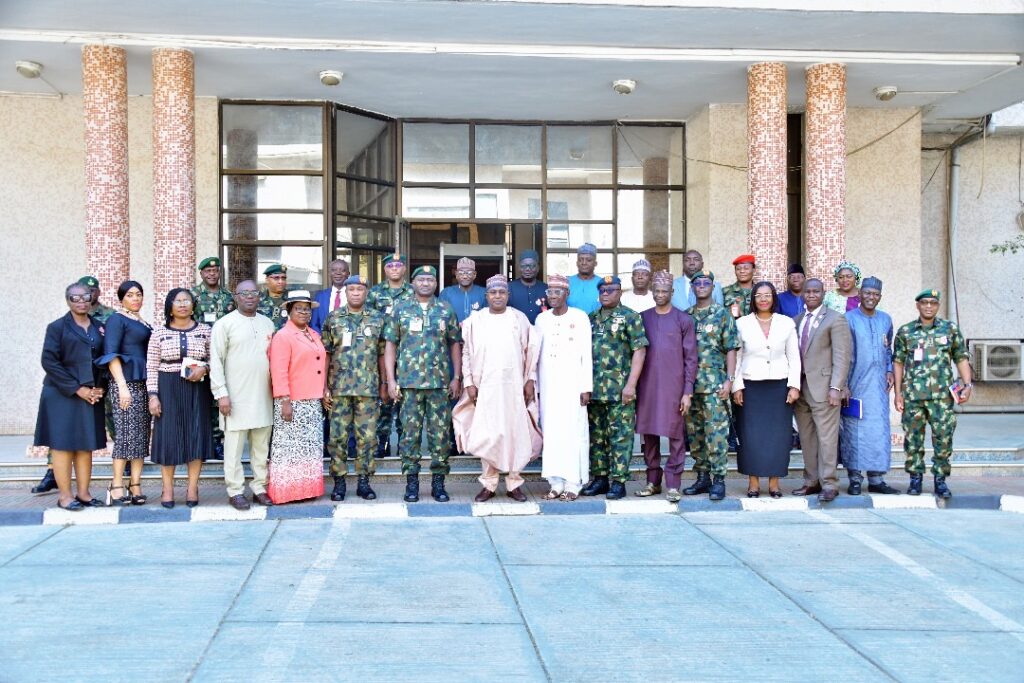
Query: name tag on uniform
[209, 317]
[346, 339]
[918, 354]
[388, 310]
[942, 341]
[416, 325]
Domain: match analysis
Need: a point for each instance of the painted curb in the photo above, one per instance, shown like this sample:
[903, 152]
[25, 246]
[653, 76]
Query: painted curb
[1012, 504]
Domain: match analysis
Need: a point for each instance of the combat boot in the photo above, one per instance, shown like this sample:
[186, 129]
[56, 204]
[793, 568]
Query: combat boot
[437, 488]
[941, 490]
[915, 485]
[46, 484]
[616, 490]
[702, 485]
[595, 487]
[412, 488]
[363, 489]
[339, 488]
[717, 489]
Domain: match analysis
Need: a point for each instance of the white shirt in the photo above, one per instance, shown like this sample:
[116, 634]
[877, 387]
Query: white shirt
[338, 292]
[637, 302]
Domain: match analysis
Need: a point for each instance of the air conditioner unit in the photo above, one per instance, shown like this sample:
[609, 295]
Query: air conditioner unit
[999, 361]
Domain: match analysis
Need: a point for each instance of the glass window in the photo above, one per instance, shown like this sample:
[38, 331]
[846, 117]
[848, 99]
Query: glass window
[435, 153]
[580, 205]
[650, 218]
[248, 263]
[650, 155]
[368, 199]
[364, 146]
[507, 203]
[363, 234]
[273, 226]
[431, 202]
[273, 137]
[673, 263]
[573, 235]
[508, 154]
[580, 155]
[273, 192]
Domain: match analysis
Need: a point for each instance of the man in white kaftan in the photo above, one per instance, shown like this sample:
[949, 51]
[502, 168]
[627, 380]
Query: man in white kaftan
[565, 380]
[240, 380]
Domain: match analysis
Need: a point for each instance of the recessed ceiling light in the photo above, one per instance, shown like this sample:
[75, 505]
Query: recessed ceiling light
[331, 77]
[29, 69]
[624, 86]
[886, 92]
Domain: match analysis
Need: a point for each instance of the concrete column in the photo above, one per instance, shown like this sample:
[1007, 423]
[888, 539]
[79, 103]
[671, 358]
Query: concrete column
[767, 226]
[105, 106]
[825, 170]
[656, 216]
[174, 178]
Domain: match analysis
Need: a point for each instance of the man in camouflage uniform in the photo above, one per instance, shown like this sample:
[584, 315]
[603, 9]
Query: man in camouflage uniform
[422, 337]
[736, 299]
[213, 302]
[273, 294]
[352, 336]
[619, 351]
[98, 312]
[923, 355]
[717, 342]
[382, 297]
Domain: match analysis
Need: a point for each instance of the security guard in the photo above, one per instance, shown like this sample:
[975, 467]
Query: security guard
[98, 312]
[273, 294]
[717, 342]
[213, 301]
[619, 350]
[923, 355]
[353, 337]
[736, 297]
[423, 336]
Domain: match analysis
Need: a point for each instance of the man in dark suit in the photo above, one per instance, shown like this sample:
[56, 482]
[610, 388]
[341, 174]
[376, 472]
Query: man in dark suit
[332, 297]
[825, 346]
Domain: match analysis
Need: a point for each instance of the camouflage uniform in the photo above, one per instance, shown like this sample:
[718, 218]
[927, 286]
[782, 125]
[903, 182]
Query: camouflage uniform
[216, 303]
[354, 382]
[273, 308]
[731, 293]
[383, 298]
[102, 314]
[617, 333]
[421, 371]
[100, 317]
[709, 414]
[926, 396]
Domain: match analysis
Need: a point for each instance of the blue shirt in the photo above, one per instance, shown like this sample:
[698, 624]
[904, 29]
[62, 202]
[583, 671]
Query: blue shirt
[790, 304]
[583, 294]
[463, 302]
[684, 298]
[530, 300]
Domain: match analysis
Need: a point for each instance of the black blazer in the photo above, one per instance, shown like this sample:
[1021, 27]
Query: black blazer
[69, 355]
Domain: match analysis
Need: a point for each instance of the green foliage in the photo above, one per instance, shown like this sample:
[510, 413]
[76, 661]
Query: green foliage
[1012, 246]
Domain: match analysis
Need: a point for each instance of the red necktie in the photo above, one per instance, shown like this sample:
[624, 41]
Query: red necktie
[337, 299]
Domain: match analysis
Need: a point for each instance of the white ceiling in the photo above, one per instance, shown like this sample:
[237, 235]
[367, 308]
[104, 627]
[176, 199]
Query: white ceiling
[232, 42]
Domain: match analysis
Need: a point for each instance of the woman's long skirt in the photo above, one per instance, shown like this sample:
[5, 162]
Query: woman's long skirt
[296, 469]
[182, 432]
[765, 424]
[131, 427]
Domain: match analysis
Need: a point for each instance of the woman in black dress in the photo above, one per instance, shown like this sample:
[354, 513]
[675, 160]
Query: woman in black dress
[70, 418]
[125, 343]
[179, 398]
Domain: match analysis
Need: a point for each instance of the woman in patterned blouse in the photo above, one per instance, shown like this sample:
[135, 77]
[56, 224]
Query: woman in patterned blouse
[179, 395]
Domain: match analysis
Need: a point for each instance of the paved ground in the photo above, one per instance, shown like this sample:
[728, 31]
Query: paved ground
[859, 595]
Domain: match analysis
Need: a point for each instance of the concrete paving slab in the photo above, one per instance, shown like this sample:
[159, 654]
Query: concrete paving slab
[603, 541]
[16, 540]
[371, 652]
[422, 570]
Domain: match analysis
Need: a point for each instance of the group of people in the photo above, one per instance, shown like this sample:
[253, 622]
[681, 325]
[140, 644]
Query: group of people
[568, 370]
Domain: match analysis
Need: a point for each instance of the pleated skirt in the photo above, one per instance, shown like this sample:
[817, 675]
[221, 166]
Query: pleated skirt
[182, 432]
[765, 425]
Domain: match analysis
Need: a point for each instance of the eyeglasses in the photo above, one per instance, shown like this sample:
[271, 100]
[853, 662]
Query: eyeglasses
[554, 291]
[79, 298]
[465, 271]
[608, 290]
[247, 293]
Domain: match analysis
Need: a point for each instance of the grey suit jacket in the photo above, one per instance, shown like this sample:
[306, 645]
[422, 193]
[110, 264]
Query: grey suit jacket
[826, 363]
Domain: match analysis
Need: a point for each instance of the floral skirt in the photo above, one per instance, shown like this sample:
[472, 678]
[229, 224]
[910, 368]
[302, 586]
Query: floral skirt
[296, 469]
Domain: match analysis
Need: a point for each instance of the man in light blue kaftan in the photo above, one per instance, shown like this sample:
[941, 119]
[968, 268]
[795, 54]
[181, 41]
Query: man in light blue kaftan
[865, 442]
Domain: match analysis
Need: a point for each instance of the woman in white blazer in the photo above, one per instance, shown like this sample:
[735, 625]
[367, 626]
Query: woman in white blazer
[766, 385]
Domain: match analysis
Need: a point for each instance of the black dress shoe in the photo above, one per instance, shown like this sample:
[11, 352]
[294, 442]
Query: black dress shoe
[74, 506]
[616, 491]
[827, 495]
[807, 490]
[882, 488]
[941, 490]
[363, 489]
[914, 489]
[262, 499]
[239, 502]
[192, 503]
[854, 488]
[169, 504]
[595, 487]
[339, 489]
[91, 503]
[517, 495]
[46, 484]
[484, 495]
[717, 490]
[412, 488]
[437, 489]
[702, 485]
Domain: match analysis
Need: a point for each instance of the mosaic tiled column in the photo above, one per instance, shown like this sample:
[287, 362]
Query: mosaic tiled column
[105, 106]
[174, 191]
[767, 227]
[825, 169]
[656, 207]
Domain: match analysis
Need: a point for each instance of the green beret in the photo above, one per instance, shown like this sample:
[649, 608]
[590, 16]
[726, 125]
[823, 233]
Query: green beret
[89, 281]
[703, 274]
[393, 258]
[425, 270]
[209, 261]
[928, 294]
[276, 268]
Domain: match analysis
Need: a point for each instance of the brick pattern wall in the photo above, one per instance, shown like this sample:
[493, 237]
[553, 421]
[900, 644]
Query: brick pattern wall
[174, 182]
[767, 227]
[825, 170]
[105, 109]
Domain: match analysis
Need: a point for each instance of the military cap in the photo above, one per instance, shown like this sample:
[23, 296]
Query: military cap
[355, 280]
[587, 248]
[703, 274]
[528, 253]
[609, 280]
[424, 270]
[928, 294]
[89, 281]
[393, 258]
[276, 268]
[209, 261]
[743, 258]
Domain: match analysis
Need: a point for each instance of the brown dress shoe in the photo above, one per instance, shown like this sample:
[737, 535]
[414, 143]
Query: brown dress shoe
[807, 490]
[239, 502]
[517, 495]
[262, 499]
[827, 495]
[484, 496]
